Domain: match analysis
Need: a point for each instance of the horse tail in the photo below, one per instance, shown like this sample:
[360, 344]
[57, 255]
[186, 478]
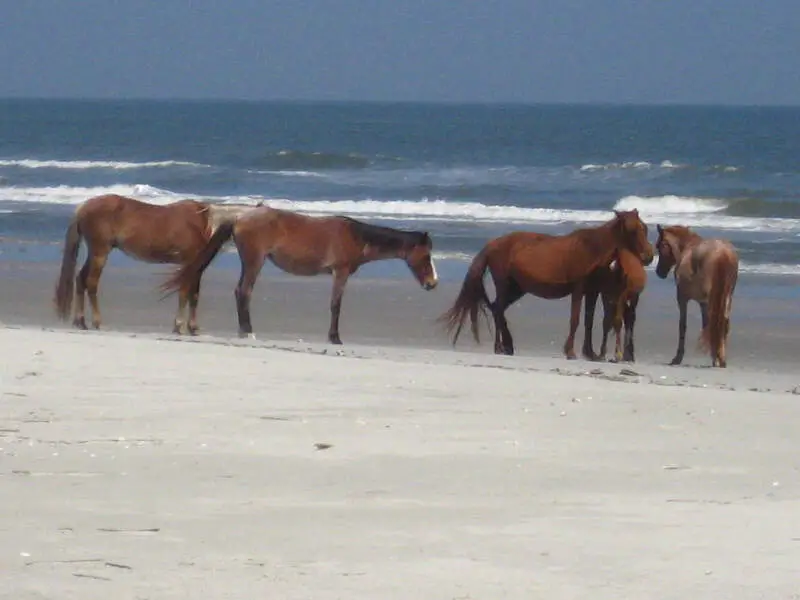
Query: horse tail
[722, 284]
[471, 300]
[66, 280]
[193, 270]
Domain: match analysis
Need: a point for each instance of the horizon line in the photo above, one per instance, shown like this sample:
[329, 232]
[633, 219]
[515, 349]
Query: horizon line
[487, 103]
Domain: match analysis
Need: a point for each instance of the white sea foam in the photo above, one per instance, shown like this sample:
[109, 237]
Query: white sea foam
[94, 164]
[638, 164]
[770, 269]
[64, 194]
[697, 212]
[670, 205]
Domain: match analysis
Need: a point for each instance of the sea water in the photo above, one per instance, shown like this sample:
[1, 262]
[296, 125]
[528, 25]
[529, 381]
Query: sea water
[464, 173]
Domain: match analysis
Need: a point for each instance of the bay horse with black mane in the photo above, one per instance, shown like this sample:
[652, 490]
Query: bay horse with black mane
[706, 271]
[547, 266]
[173, 233]
[307, 245]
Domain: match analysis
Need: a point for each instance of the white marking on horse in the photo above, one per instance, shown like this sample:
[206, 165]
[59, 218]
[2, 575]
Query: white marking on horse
[433, 271]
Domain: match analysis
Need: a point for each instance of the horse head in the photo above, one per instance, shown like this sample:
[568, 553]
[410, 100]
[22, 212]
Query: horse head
[668, 247]
[419, 260]
[634, 234]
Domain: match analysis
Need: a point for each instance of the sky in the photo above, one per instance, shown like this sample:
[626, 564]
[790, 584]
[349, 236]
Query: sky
[739, 52]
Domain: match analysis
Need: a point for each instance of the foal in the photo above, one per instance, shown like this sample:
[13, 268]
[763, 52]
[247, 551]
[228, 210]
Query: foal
[305, 245]
[706, 271]
[622, 284]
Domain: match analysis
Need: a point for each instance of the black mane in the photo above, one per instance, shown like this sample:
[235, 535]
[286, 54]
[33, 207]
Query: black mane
[386, 238]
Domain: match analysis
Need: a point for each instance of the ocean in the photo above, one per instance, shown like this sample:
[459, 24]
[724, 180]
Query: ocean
[464, 173]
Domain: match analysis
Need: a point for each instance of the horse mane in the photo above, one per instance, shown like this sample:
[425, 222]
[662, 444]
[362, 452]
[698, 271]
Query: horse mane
[683, 234]
[385, 238]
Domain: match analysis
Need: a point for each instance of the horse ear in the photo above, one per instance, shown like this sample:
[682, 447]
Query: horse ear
[426, 238]
[659, 229]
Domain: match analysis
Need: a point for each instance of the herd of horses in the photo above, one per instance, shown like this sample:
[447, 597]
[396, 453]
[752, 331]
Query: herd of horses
[605, 262]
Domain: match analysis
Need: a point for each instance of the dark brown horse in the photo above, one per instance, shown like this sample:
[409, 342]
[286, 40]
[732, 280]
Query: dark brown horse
[546, 266]
[621, 285]
[304, 245]
[174, 233]
[705, 271]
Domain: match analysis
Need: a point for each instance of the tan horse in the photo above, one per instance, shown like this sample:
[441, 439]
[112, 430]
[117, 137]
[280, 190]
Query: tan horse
[305, 245]
[546, 266]
[174, 233]
[621, 286]
[706, 271]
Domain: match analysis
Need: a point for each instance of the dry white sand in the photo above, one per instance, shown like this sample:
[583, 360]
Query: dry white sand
[139, 467]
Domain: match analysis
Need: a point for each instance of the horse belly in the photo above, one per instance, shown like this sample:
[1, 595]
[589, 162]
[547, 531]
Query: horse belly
[548, 291]
[298, 265]
[151, 254]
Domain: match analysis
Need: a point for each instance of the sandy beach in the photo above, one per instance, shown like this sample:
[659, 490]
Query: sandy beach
[139, 465]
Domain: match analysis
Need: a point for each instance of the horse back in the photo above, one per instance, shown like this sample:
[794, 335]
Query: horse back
[296, 242]
[695, 272]
[149, 232]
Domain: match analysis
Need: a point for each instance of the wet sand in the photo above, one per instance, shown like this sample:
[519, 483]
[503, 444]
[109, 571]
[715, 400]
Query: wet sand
[397, 312]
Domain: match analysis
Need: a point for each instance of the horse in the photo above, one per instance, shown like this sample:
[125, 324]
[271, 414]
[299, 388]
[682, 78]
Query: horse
[307, 245]
[173, 233]
[621, 286]
[547, 266]
[706, 271]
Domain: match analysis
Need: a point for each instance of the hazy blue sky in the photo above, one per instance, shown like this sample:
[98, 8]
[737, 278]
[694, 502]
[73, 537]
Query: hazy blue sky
[641, 51]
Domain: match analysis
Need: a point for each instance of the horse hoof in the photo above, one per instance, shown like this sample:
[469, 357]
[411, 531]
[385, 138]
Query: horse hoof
[80, 324]
[195, 331]
[675, 362]
[247, 336]
[335, 340]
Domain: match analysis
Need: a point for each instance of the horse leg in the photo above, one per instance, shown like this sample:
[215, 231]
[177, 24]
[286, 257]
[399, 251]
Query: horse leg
[589, 308]
[340, 277]
[507, 294]
[194, 298]
[630, 322]
[251, 267]
[622, 305]
[79, 320]
[608, 320]
[183, 295]
[574, 321]
[96, 266]
[682, 307]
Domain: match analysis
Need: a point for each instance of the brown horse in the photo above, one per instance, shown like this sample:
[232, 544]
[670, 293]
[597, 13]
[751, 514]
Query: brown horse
[305, 245]
[546, 266]
[706, 271]
[623, 283]
[174, 233]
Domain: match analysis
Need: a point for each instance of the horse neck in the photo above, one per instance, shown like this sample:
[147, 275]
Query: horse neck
[380, 243]
[372, 252]
[600, 244]
[685, 241]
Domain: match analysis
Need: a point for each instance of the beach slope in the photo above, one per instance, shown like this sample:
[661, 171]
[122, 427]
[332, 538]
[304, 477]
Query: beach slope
[139, 466]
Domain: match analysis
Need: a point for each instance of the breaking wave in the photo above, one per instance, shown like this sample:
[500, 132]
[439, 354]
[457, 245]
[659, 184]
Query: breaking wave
[698, 212]
[82, 165]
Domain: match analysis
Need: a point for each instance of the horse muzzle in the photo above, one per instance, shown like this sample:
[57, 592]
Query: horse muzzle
[429, 285]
